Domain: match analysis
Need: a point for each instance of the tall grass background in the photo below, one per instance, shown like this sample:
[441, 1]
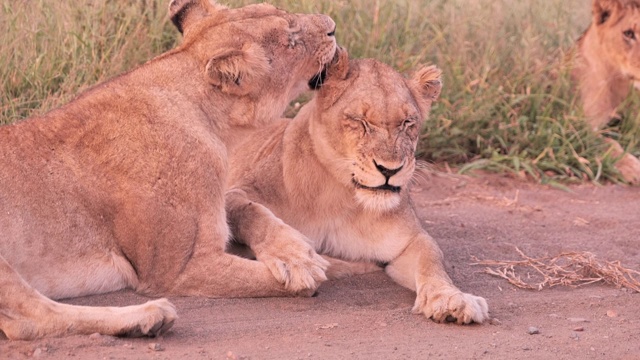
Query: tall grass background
[507, 105]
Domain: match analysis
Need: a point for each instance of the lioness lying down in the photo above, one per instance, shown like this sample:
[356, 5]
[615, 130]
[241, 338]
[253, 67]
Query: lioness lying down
[608, 64]
[339, 174]
[124, 186]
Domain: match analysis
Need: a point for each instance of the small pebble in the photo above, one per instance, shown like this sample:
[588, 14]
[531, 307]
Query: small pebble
[533, 330]
[612, 313]
[155, 347]
[577, 320]
[579, 328]
[37, 352]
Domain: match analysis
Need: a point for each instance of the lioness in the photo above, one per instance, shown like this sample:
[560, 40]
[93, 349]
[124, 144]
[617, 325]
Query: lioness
[608, 64]
[339, 174]
[124, 186]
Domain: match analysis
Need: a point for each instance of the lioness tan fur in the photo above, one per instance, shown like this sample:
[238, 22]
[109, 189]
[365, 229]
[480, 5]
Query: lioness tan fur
[124, 186]
[339, 175]
[607, 66]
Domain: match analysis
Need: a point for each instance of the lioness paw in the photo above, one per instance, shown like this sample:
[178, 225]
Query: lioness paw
[295, 264]
[452, 305]
[629, 168]
[152, 319]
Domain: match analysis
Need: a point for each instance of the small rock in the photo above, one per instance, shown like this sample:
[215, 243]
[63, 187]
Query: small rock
[494, 321]
[577, 320]
[95, 336]
[37, 352]
[579, 328]
[155, 347]
[612, 313]
[533, 330]
[231, 355]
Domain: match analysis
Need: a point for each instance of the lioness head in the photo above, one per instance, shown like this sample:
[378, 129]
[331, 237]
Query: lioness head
[259, 52]
[617, 25]
[366, 124]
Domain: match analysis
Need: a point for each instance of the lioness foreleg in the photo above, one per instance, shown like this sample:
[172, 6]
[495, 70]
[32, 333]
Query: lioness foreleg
[627, 164]
[286, 252]
[420, 267]
[25, 314]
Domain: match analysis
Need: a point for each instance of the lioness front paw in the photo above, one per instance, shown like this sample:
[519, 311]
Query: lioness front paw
[153, 319]
[629, 168]
[294, 263]
[452, 305]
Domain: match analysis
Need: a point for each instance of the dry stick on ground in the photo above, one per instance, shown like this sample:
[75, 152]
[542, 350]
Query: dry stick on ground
[569, 269]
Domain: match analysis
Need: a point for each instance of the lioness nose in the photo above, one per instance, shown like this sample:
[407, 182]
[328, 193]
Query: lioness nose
[329, 25]
[387, 172]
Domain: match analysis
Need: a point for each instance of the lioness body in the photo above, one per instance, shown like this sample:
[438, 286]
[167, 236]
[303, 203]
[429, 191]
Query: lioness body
[607, 66]
[338, 173]
[124, 186]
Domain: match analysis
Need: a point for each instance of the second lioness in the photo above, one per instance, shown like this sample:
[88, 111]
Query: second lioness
[338, 173]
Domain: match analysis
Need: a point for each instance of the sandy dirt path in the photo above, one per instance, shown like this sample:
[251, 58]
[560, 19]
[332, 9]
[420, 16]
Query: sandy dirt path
[369, 317]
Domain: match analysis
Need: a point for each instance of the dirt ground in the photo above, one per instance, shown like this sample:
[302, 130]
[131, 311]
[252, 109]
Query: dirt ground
[369, 317]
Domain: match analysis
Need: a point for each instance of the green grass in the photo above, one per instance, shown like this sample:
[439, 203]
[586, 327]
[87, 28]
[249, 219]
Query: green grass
[507, 105]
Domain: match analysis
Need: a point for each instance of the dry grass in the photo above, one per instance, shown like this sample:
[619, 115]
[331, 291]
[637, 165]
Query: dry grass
[571, 269]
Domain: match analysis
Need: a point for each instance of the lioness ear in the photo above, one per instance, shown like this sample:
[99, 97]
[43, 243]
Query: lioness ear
[602, 10]
[234, 71]
[427, 85]
[183, 13]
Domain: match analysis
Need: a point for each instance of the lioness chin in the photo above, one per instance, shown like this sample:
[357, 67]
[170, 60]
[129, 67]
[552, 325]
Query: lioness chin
[124, 186]
[336, 179]
[607, 67]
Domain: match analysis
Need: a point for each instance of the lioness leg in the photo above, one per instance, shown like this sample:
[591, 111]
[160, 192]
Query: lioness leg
[25, 314]
[284, 250]
[627, 164]
[420, 267]
[339, 269]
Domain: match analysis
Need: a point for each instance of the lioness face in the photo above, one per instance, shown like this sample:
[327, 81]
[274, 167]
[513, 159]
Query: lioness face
[618, 26]
[371, 122]
[258, 52]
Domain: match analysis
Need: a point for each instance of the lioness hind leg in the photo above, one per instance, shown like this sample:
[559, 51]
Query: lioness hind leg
[25, 314]
[339, 269]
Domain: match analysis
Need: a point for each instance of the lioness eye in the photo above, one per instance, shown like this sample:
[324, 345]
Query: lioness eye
[629, 34]
[358, 122]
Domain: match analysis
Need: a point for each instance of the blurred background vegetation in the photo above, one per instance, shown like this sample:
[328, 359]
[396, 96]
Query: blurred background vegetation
[507, 103]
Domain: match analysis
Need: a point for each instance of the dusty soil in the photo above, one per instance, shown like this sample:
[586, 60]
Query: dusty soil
[369, 317]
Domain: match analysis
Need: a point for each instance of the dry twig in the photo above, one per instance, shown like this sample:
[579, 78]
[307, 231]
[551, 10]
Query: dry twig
[572, 269]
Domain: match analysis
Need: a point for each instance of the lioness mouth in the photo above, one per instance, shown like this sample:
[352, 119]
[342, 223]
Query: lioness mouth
[385, 187]
[318, 79]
